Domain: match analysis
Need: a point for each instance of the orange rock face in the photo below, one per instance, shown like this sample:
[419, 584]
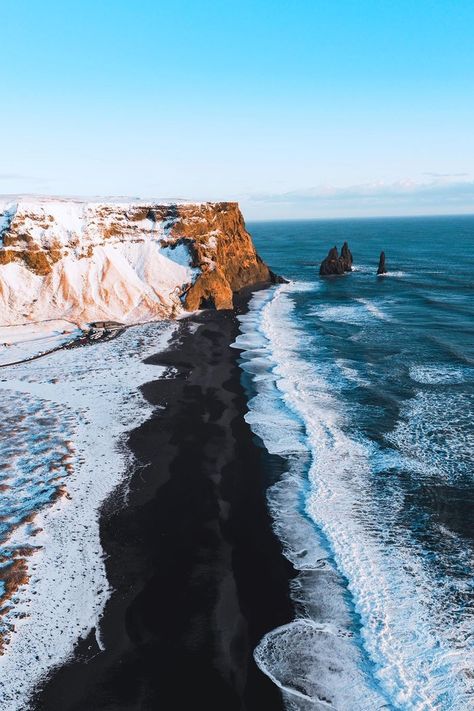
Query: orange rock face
[222, 249]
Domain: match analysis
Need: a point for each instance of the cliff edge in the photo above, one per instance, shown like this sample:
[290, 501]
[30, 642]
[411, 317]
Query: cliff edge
[124, 261]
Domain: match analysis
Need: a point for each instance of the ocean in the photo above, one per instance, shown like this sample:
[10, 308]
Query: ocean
[365, 385]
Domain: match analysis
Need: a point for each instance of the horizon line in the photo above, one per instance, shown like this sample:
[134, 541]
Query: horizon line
[361, 217]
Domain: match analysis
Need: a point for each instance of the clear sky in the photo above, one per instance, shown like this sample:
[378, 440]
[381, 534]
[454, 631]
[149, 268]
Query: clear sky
[302, 108]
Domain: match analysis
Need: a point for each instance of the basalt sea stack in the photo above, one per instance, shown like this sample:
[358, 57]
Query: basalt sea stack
[335, 264]
[346, 255]
[381, 269]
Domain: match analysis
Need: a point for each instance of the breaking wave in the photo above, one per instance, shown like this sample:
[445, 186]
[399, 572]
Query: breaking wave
[373, 628]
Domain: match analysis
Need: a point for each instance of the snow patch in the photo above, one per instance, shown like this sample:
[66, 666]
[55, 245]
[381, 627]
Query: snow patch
[111, 261]
[29, 340]
[92, 396]
[128, 282]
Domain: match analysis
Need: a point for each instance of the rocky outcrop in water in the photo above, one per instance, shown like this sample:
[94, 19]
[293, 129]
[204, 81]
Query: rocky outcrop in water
[277, 278]
[346, 255]
[332, 264]
[131, 261]
[381, 268]
[335, 263]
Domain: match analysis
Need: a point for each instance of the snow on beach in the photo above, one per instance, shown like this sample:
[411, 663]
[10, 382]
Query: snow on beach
[29, 340]
[67, 415]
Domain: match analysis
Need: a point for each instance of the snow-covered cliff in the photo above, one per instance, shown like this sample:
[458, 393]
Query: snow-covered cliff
[122, 261]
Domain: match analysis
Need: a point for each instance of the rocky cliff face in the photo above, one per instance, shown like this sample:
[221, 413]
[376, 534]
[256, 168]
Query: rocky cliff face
[221, 249]
[130, 262]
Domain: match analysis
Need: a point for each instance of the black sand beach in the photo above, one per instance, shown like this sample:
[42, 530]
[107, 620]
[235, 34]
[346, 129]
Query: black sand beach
[198, 574]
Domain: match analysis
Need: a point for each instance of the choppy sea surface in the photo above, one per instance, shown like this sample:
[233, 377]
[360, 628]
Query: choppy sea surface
[366, 386]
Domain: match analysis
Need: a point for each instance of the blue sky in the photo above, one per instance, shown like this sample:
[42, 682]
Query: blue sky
[302, 108]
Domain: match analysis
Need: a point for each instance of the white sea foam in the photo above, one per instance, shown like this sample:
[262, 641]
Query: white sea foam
[93, 393]
[372, 269]
[297, 656]
[396, 274]
[435, 432]
[374, 309]
[350, 373]
[440, 374]
[363, 268]
[414, 649]
[287, 653]
[362, 312]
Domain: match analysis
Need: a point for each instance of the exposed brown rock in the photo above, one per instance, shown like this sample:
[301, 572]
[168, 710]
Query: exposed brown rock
[215, 233]
[37, 261]
[7, 256]
[221, 247]
[210, 291]
[13, 576]
[15, 239]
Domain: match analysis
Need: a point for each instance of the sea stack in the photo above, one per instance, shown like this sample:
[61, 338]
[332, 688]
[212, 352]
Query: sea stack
[382, 269]
[346, 255]
[335, 264]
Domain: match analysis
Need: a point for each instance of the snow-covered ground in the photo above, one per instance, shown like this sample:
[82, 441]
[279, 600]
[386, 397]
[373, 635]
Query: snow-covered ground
[109, 261]
[65, 416]
[25, 341]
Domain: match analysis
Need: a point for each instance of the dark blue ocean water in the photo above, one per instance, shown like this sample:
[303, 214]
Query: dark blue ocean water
[366, 386]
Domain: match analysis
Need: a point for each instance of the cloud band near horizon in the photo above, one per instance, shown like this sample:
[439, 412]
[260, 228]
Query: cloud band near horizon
[441, 195]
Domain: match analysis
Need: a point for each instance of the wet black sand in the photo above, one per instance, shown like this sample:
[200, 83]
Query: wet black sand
[198, 573]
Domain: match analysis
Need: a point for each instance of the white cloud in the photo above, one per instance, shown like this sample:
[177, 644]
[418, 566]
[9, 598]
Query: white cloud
[13, 176]
[21, 177]
[443, 194]
[447, 175]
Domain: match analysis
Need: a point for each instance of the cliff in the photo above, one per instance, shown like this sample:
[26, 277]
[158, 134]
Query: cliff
[129, 262]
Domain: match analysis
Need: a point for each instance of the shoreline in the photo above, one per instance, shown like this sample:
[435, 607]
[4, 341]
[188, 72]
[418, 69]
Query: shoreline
[68, 415]
[197, 572]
